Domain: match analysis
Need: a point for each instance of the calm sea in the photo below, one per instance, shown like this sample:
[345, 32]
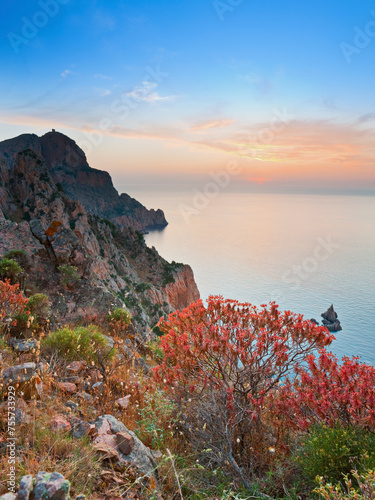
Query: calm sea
[304, 251]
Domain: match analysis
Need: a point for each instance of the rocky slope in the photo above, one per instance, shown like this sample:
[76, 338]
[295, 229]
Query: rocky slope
[113, 263]
[67, 165]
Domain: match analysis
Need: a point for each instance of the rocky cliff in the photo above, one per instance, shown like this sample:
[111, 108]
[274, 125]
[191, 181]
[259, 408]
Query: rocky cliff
[68, 167]
[113, 263]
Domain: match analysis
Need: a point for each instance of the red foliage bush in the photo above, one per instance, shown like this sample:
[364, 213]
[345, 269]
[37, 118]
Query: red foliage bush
[12, 303]
[325, 392]
[221, 363]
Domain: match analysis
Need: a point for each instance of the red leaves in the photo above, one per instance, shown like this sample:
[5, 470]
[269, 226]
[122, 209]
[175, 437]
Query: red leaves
[12, 303]
[234, 345]
[327, 392]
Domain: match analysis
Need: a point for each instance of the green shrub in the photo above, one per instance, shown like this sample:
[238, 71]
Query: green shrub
[119, 315]
[10, 269]
[38, 318]
[365, 481]
[335, 452]
[81, 343]
[158, 416]
[142, 287]
[69, 275]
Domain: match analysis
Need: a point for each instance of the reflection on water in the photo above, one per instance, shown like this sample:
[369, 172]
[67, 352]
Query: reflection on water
[304, 251]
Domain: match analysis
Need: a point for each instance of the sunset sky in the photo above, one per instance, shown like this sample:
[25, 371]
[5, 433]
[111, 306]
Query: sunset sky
[164, 93]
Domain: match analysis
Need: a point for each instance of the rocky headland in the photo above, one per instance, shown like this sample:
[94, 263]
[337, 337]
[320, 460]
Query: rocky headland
[69, 218]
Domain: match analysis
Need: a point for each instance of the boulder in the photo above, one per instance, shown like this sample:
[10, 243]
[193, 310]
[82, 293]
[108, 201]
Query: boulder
[8, 496]
[25, 488]
[50, 486]
[139, 455]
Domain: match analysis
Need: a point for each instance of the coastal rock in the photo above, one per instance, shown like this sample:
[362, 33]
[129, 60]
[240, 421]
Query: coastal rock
[63, 212]
[330, 320]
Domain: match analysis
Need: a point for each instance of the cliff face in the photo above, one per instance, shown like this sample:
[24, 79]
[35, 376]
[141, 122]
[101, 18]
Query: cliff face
[114, 264]
[67, 165]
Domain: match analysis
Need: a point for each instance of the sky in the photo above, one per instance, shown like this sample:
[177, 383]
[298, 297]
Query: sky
[277, 95]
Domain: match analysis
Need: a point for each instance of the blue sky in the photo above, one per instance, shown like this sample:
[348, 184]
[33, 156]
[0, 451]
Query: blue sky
[184, 86]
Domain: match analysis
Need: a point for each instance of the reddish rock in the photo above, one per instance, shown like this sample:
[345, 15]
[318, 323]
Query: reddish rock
[60, 424]
[67, 387]
[105, 450]
[125, 442]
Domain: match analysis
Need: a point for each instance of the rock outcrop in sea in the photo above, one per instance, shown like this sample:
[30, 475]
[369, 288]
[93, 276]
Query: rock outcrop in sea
[330, 320]
[82, 239]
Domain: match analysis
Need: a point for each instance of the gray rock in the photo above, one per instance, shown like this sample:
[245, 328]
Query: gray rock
[51, 486]
[23, 345]
[80, 428]
[330, 320]
[8, 496]
[71, 404]
[20, 373]
[25, 488]
[140, 456]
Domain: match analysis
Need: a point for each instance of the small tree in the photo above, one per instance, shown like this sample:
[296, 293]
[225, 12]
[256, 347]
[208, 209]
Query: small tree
[220, 365]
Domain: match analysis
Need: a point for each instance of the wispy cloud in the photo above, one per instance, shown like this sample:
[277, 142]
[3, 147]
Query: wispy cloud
[147, 93]
[65, 73]
[211, 124]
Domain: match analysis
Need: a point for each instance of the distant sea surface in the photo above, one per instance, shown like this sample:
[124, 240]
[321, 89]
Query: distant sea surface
[306, 252]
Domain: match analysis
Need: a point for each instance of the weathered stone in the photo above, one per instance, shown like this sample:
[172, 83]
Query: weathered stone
[85, 396]
[67, 387]
[81, 428]
[106, 451]
[50, 486]
[60, 424]
[25, 488]
[19, 373]
[29, 345]
[140, 456]
[125, 442]
[71, 404]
